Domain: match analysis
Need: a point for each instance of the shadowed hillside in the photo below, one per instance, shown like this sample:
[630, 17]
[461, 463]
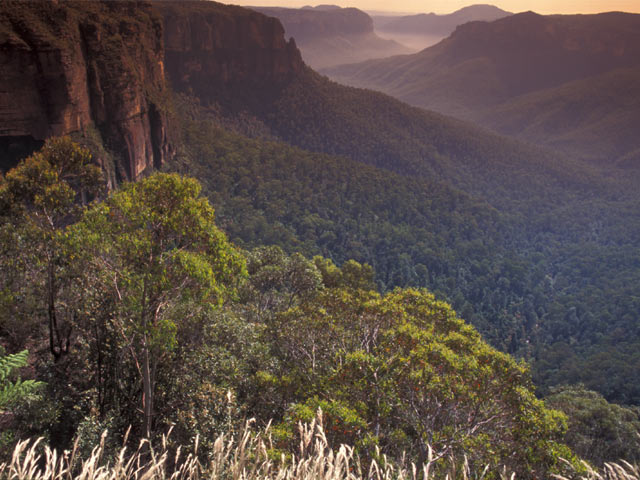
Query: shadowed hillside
[483, 69]
[596, 118]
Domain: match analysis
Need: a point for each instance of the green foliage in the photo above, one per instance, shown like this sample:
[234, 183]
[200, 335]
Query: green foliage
[13, 392]
[410, 231]
[598, 431]
[152, 253]
[39, 197]
[45, 186]
[540, 271]
[144, 275]
[276, 281]
[171, 320]
[404, 373]
[17, 396]
[161, 226]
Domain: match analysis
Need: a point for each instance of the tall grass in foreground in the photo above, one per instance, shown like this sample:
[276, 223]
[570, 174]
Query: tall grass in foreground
[243, 458]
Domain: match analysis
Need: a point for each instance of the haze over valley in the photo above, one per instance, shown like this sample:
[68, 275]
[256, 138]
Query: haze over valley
[424, 30]
[328, 36]
[554, 80]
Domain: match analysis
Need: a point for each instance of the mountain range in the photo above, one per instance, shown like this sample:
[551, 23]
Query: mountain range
[435, 24]
[553, 80]
[425, 29]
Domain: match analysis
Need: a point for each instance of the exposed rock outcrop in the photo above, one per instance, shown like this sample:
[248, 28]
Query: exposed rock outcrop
[222, 52]
[88, 67]
[99, 69]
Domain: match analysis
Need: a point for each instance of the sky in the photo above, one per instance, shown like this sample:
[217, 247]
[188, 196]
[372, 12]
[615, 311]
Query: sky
[448, 6]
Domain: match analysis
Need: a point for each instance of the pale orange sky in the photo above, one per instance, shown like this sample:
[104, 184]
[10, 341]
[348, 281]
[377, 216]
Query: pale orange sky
[448, 6]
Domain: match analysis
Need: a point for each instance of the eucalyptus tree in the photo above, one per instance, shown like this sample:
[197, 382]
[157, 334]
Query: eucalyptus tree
[38, 198]
[153, 250]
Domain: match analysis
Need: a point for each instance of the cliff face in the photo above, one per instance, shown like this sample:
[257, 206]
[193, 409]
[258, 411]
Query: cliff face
[226, 54]
[99, 69]
[84, 67]
[333, 36]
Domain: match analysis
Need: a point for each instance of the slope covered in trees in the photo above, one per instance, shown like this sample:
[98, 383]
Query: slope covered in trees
[540, 71]
[593, 118]
[161, 311]
[531, 281]
[313, 113]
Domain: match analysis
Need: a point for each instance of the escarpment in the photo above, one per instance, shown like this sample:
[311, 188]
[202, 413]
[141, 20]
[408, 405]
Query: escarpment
[90, 68]
[102, 70]
[226, 54]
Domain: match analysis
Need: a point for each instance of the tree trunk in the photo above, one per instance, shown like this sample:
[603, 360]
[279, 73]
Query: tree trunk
[147, 390]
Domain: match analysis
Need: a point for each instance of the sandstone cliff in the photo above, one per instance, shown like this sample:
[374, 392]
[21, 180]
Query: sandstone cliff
[225, 54]
[103, 70]
[92, 67]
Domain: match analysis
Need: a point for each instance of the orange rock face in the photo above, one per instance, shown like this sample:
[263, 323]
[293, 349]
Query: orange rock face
[70, 66]
[76, 65]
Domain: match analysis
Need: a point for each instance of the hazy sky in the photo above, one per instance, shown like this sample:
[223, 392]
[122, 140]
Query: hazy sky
[448, 6]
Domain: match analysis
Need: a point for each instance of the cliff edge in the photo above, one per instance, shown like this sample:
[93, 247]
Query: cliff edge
[104, 70]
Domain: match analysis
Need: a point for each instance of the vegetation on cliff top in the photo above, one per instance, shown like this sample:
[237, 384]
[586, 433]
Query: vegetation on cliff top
[156, 320]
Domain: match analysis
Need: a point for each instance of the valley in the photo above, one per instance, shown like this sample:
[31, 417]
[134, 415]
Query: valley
[495, 74]
[334, 36]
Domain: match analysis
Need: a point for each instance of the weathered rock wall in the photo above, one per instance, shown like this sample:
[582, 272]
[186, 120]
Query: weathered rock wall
[102, 69]
[226, 54]
[72, 67]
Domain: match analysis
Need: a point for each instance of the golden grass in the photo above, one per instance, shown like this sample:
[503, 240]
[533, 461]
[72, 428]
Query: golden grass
[610, 471]
[244, 457]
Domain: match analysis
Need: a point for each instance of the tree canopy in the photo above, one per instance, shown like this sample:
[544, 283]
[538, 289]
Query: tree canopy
[153, 250]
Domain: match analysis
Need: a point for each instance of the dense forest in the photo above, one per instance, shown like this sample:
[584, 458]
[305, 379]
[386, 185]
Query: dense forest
[141, 296]
[533, 265]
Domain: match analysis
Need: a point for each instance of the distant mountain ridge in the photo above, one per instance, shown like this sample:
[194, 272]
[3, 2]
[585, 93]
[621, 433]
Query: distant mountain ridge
[480, 72]
[426, 29]
[435, 24]
[329, 35]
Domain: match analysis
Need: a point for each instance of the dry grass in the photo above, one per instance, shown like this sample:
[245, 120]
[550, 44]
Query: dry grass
[243, 458]
[611, 471]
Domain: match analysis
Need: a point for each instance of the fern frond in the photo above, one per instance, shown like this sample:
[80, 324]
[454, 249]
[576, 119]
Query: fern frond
[11, 392]
[11, 362]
